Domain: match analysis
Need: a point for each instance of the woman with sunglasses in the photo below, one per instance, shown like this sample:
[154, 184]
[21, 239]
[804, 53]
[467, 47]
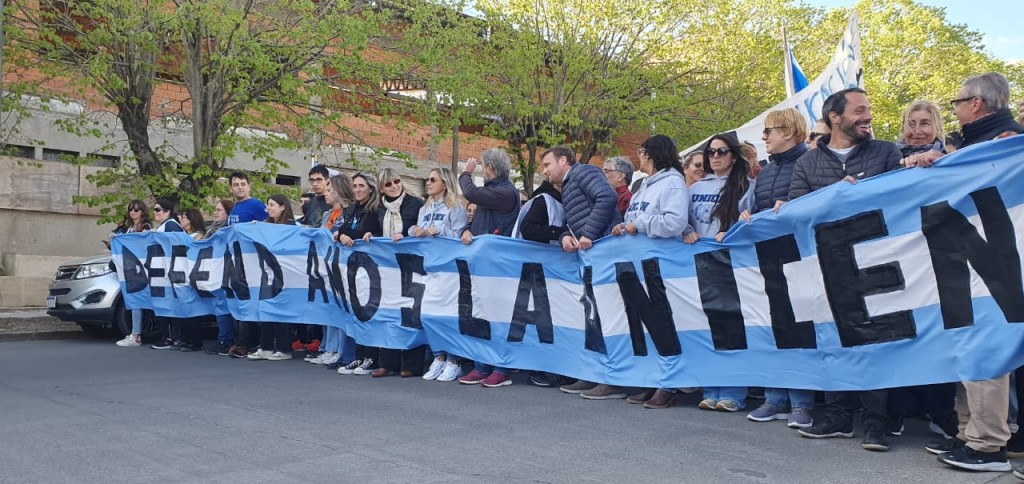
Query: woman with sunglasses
[783, 136]
[441, 216]
[136, 220]
[398, 213]
[166, 220]
[659, 210]
[275, 338]
[337, 351]
[715, 205]
[360, 221]
[693, 167]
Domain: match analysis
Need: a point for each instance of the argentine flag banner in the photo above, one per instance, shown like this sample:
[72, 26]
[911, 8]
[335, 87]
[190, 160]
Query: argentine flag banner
[911, 277]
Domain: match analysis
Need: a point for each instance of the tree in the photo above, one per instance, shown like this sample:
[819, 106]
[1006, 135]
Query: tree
[243, 62]
[575, 72]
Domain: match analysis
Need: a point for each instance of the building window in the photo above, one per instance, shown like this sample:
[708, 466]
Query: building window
[18, 151]
[104, 161]
[50, 154]
[287, 180]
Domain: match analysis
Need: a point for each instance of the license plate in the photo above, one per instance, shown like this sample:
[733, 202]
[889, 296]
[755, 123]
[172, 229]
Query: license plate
[51, 302]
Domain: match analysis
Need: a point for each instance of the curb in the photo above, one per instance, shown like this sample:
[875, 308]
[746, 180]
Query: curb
[41, 336]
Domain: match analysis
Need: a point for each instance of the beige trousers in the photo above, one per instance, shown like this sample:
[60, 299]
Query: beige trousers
[982, 408]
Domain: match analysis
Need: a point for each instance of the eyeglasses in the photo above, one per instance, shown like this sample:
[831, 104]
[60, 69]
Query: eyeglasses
[768, 130]
[158, 210]
[396, 181]
[317, 180]
[954, 102]
[699, 166]
[713, 152]
[432, 180]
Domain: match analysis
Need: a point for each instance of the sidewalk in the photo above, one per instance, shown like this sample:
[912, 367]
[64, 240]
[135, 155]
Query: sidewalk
[27, 324]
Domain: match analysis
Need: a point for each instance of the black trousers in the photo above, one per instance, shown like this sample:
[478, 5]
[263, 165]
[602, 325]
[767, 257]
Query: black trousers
[190, 332]
[842, 405]
[248, 334]
[935, 400]
[1019, 382]
[364, 352]
[403, 360]
[276, 337]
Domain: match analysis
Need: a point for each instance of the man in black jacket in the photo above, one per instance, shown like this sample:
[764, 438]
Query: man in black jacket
[849, 154]
[982, 107]
[314, 210]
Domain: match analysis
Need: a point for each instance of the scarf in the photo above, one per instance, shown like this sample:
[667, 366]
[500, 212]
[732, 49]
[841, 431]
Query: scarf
[392, 223]
[907, 150]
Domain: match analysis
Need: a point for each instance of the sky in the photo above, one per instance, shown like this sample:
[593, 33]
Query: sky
[1000, 21]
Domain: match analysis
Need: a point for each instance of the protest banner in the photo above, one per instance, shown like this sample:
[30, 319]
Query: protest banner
[911, 277]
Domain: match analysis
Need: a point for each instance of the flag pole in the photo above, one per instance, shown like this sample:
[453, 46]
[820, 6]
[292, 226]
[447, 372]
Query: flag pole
[788, 63]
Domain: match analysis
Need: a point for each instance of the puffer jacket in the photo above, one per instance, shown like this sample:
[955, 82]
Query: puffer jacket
[773, 181]
[820, 168]
[497, 205]
[589, 203]
[999, 124]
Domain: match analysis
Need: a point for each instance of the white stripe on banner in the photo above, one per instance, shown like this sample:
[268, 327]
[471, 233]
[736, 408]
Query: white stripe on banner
[870, 309]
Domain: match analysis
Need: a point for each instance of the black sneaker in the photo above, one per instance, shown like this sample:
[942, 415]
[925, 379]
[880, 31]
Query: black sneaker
[542, 379]
[947, 445]
[947, 426]
[216, 348]
[177, 343]
[1015, 447]
[874, 438]
[973, 460]
[828, 428]
[894, 426]
[1018, 472]
[164, 344]
[185, 347]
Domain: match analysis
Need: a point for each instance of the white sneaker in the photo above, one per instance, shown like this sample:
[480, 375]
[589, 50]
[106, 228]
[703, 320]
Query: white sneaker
[365, 368]
[129, 342]
[328, 359]
[452, 370]
[279, 356]
[258, 355]
[436, 367]
[311, 358]
[349, 368]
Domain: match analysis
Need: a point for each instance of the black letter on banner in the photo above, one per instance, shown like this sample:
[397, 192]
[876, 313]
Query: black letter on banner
[134, 272]
[316, 281]
[268, 259]
[593, 337]
[772, 255]
[234, 283]
[197, 276]
[720, 299]
[652, 311]
[177, 277]
[953, 242]
[410, 264]
[846, 285]
[468, 325]
[153, 252]
[333, 262]
[531, 281]
[355, 261]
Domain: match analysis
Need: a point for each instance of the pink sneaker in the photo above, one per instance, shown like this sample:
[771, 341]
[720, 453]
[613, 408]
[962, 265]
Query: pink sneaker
[474, 377]
[496, 379]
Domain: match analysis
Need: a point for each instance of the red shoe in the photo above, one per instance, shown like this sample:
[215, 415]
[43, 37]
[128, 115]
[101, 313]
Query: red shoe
[297, 345]
[474, 377]
[314, 346]
[495, 380]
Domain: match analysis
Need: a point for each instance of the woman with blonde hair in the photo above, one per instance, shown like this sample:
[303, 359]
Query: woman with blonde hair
[442, 216]
[922, 129]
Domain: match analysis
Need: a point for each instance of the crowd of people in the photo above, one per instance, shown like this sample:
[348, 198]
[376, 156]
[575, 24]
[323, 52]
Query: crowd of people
[688, 196]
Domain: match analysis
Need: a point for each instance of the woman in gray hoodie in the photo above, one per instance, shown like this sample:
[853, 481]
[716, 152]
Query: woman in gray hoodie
[659, 209]
[715, 205]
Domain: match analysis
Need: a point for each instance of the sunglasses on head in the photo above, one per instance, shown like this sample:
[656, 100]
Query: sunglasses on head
[712, 152]
[396, 181]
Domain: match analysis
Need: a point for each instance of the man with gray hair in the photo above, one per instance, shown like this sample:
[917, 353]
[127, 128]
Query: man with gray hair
[497, 209]
[983, 440]
[619, 171]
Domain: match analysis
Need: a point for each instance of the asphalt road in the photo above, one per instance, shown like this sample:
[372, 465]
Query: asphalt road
[87, 411]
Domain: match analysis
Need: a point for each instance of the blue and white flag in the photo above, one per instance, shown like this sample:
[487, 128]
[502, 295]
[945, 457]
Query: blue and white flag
[908, 278]
[796, 73]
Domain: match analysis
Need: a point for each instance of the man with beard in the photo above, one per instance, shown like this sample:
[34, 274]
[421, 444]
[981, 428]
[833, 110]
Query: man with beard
[847, 153]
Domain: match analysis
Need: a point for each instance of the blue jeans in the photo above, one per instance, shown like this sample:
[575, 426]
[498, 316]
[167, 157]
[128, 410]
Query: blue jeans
[136, 321]
[784, 397]
[486, 369]
[332, 339]
[736, 394]
[226, 329]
